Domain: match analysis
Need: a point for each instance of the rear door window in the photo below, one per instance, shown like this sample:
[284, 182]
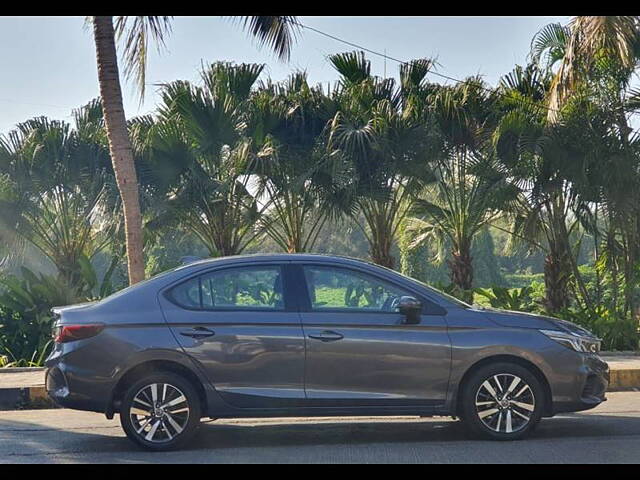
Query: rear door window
[243, 288]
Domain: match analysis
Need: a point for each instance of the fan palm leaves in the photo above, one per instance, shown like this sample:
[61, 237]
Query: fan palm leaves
[385, 149]
[57, 189]
[548, 162]
[288, 121]
[471, 189]
[198, 159]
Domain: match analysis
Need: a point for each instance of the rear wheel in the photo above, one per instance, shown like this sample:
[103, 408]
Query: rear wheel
[502, 401]
[160, 412]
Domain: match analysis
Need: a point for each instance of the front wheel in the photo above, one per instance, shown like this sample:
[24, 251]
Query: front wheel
[160, 412]
[502, 401]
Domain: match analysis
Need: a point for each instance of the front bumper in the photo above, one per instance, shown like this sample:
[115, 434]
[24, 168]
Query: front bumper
[591, 386]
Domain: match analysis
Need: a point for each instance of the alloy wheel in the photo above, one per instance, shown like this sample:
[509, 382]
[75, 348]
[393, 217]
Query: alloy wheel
[505, 403]
[159, 412]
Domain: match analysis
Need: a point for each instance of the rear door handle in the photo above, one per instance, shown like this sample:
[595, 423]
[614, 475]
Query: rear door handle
[198, 332]
[327, 336]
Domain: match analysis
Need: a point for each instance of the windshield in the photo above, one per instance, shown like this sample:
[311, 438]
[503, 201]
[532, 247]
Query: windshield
[439, 293]
[446, 296]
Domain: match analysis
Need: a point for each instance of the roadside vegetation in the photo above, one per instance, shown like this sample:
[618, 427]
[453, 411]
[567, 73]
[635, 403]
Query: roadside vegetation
[521, 195]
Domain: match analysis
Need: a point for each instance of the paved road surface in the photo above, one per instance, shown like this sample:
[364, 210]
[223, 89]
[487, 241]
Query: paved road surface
[610, 433]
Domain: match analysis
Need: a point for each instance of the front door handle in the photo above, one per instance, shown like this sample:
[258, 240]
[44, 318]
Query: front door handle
[328, 336]
[198, 332]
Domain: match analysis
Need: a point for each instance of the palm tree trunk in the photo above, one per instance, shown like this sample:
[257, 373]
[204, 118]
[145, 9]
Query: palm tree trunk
[119, 143]
[556, 280]
[380, 249]
[461, 268]
[382, 256]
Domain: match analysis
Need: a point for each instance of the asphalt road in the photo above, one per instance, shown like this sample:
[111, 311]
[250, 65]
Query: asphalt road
[610, 433]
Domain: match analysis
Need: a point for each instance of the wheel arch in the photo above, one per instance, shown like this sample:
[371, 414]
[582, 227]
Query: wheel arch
[154, 366]
[506, 358]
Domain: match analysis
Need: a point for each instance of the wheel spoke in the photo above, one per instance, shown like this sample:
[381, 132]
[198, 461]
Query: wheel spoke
[154, 393]
[152, 432]
[166, 430]
[527, 406]
[164, 393]
[486, 413]
[175, 401]
[509, 428]
[520, 414]
[499, 421]
[139, 411]
[174, 424]
[179, 410]
[522, 390]
[142, 402]
[497, 380]
[490, 389]
[513, 385]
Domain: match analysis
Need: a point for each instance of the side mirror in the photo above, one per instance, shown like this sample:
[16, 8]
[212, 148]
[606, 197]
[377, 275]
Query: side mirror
[411, 308]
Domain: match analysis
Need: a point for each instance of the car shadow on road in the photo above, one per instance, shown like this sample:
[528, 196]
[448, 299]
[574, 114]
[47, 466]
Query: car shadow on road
[421, 430]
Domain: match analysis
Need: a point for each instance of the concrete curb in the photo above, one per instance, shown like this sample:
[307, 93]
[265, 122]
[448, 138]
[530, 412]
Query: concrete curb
[23, 398]
[624, 379]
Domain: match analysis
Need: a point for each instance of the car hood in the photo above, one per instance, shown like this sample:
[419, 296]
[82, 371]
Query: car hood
[508, 318]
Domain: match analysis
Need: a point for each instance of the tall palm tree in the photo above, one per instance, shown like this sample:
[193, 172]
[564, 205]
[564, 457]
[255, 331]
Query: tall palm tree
[596, 60]
[286, 126]
[55, 190]
[275, 31]
[587, 43]
[470, 189]
[547, 161]
[386, 142]
[198, 159]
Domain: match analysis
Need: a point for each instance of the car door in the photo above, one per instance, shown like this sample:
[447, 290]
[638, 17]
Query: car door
[360, 350]
[244, 330]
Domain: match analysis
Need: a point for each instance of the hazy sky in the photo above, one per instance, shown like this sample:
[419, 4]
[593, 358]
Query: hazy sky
[48, 63]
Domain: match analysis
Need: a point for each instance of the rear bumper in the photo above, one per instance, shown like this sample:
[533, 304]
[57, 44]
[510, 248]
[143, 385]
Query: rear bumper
[72, 383]
[67, 394]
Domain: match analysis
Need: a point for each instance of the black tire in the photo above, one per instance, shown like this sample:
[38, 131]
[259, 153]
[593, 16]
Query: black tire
[165, 436]
[495, 426]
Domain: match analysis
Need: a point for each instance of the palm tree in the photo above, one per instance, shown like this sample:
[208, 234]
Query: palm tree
[275, 31]
[197, 159]
[470, 190]
[56, 189]
[547, 161]
[381, 134]
[286, 126]
[587, 44]
[596, 60]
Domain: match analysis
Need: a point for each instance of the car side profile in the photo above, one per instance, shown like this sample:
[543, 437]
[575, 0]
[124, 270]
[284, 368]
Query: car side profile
[312, 335]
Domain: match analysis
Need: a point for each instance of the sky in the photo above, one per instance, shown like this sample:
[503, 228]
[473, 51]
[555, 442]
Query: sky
[48, 63]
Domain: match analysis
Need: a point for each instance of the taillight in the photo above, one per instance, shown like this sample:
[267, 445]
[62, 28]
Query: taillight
[70, 333]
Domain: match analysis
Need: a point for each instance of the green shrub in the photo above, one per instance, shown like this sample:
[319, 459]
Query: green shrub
[25, 315]
[508, 298]
[617, 331]
[25, 310]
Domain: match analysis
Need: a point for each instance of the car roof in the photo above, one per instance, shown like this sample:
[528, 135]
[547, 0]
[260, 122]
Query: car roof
[281, 257]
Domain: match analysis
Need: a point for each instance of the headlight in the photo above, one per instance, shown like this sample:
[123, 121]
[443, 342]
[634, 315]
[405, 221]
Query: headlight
[574, 342]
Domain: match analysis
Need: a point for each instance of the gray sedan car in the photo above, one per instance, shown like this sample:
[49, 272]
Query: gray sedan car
[312, 335]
